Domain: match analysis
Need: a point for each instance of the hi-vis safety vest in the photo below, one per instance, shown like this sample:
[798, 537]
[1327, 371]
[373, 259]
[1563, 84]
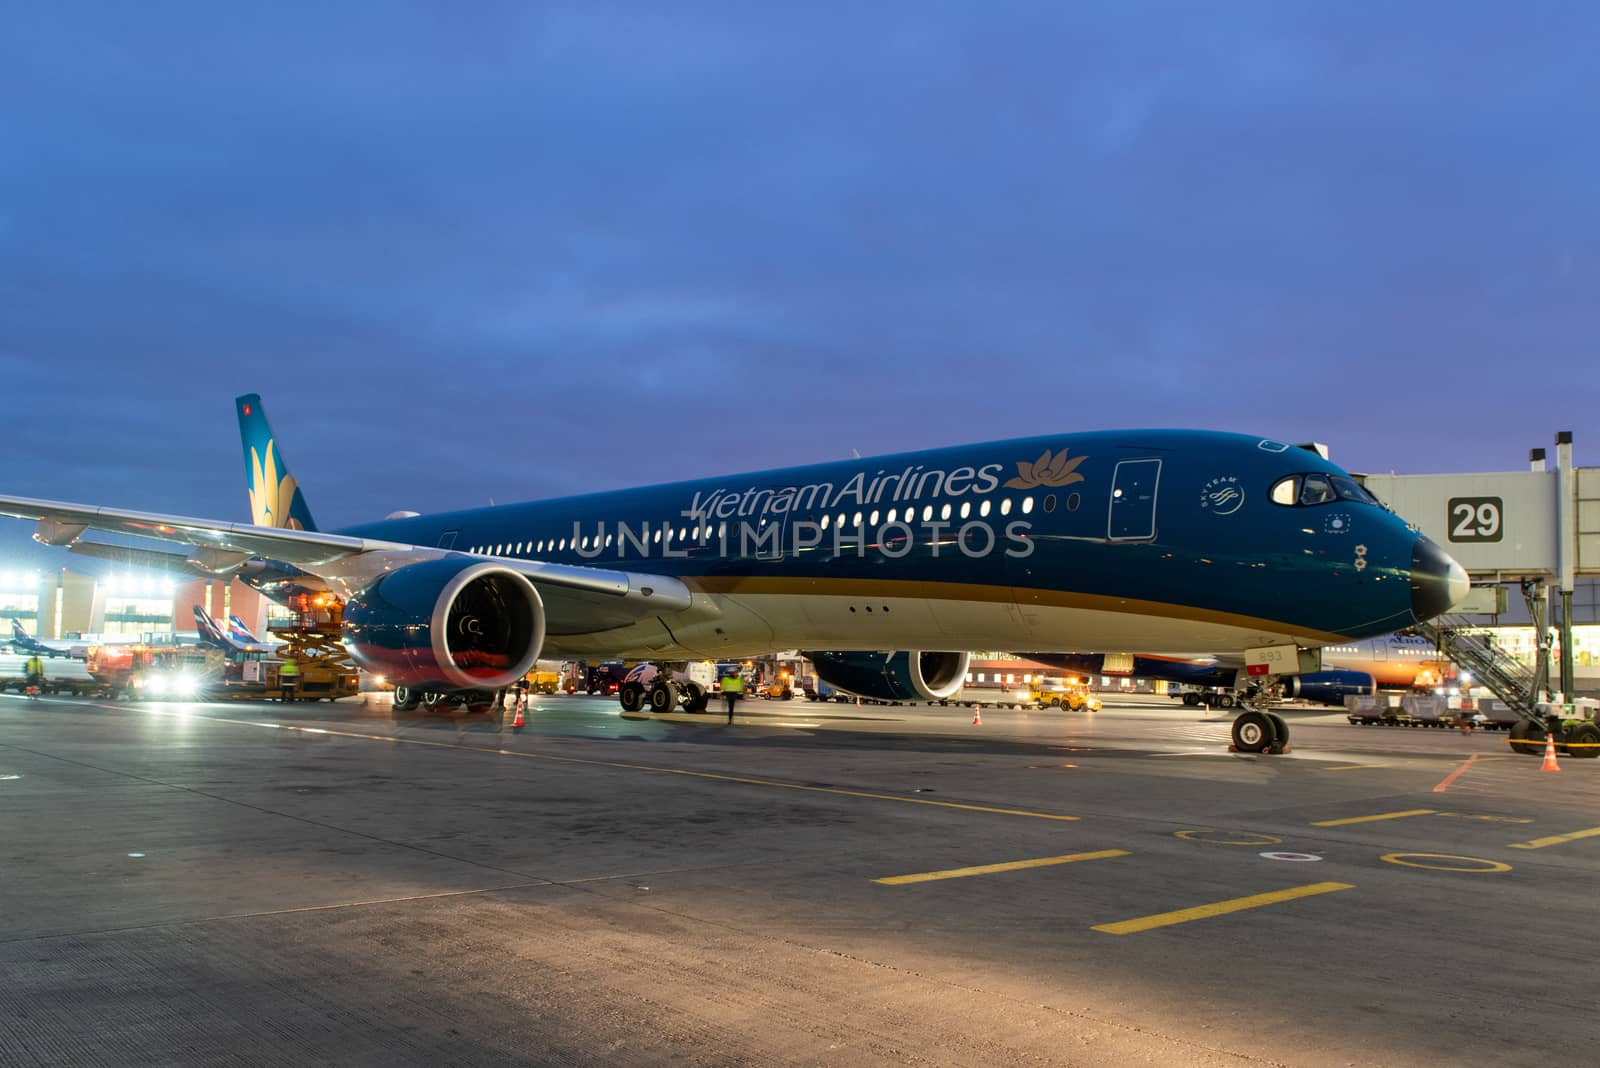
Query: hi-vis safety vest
[733, 684]
[34, 666]
[289, 669]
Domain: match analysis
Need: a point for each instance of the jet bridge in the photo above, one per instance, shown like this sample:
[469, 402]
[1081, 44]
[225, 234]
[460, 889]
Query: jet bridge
[1538, 528]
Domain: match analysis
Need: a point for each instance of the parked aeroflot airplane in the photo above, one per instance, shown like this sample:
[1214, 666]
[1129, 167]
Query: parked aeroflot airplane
[23, 642]
[1391, 662]
[236, 639]
[1167, 541]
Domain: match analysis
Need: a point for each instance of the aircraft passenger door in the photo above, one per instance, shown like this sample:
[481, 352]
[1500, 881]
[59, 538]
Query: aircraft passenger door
[1133, 500]
[767, 534]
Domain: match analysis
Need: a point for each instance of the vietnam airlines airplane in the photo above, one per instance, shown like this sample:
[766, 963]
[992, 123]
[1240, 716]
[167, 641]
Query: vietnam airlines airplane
[1162, 540]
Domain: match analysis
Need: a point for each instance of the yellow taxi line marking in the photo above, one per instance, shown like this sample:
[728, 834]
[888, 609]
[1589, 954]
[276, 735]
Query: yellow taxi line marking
[625, 766]
[1374, 819]
[1556, 839]
[990, 869]
[1218, 908]
[1434, 862]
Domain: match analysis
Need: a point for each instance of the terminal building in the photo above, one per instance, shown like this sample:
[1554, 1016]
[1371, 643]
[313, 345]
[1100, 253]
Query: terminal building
[64, 604]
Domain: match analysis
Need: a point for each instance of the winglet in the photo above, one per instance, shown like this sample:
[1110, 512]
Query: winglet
[275, 497]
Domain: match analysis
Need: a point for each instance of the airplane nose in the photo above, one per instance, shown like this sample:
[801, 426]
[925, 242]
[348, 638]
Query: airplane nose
[1437, 581]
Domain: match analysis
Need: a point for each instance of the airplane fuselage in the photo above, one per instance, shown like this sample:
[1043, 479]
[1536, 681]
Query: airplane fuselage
[1149, 540]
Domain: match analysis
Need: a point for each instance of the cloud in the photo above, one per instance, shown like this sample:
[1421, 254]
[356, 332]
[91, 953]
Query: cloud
[535, 250]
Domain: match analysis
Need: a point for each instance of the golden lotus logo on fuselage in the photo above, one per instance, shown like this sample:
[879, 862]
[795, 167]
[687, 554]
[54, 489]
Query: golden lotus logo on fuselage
[1048, 470]
[271, 498]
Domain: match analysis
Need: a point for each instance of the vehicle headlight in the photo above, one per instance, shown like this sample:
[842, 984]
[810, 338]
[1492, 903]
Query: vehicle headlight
[157, 684]
[184, 686]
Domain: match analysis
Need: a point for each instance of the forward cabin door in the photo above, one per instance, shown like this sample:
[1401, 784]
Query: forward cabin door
[1133, 500]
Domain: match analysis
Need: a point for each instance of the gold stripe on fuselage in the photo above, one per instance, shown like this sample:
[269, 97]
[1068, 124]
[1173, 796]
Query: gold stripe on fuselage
[1023, 597]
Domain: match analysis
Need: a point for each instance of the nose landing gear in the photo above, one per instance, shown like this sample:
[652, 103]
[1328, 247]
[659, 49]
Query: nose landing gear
[1258, 731]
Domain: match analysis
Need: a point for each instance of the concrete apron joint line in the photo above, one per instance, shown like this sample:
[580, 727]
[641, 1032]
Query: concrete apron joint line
[626, 766]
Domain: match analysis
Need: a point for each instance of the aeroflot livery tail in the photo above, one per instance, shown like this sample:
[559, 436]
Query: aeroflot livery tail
[1162, 541]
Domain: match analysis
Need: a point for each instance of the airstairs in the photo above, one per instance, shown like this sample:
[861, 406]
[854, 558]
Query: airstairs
[1507, 677]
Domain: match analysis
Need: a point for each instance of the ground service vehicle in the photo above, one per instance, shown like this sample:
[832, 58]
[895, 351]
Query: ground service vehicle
[1071, 694]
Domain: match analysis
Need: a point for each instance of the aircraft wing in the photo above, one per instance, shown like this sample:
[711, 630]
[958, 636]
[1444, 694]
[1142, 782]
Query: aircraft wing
[578, 600]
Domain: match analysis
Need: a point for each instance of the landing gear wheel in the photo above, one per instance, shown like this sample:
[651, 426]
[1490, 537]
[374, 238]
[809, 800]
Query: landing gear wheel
[663, 698]
[433, 699]
[1583, 741]
[632, 696]
[406, 698]
[1527, 738]
[1254, 732]
[696, 699]
[1281, 727]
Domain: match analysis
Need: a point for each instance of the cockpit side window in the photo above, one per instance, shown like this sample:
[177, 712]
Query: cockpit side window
[1316, 490]
[1310, 489]
[1350, 490]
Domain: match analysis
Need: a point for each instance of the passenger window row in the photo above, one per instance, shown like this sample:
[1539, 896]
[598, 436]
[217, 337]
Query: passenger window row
[841, 520]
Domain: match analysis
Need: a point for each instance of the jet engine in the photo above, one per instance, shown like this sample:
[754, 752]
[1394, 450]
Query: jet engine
[1329, 687]
[448, 624]
[894, 676]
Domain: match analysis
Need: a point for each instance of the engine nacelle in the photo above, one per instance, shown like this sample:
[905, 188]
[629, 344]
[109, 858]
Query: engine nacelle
[1329, 687]
[894, 676]
[447, 623]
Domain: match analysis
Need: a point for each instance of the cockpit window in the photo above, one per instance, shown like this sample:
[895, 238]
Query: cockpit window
[1316, 490]
[1307, 490]
[1350, 490]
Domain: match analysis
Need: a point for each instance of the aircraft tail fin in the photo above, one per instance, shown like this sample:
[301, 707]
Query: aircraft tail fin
[210, 633]
[241, 633]
[275, 497]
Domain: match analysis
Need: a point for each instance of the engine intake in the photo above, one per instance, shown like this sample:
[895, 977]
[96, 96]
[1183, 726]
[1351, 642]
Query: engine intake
[449, 623]
[907, 676]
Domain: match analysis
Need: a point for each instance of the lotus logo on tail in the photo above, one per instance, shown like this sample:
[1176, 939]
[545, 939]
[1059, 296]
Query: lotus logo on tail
[1048, 470]
[271, 498]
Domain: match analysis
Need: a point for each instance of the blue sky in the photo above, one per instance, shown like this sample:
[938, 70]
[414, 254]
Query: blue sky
[520, 250]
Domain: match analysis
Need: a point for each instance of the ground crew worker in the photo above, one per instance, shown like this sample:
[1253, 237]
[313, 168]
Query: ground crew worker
[732, 690]
[34, 670]
[288, 679]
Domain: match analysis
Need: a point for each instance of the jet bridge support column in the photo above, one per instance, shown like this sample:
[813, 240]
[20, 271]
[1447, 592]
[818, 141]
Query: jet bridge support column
[1566, 550]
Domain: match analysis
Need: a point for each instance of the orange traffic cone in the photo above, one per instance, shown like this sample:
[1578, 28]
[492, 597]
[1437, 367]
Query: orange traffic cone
[1549, 754]
[977, 716]
[522, 703]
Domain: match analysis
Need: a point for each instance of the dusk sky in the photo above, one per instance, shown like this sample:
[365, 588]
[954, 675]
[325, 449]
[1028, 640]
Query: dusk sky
[522, 250]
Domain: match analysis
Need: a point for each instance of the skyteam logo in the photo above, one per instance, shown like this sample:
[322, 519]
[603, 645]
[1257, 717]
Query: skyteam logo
[1222, 495]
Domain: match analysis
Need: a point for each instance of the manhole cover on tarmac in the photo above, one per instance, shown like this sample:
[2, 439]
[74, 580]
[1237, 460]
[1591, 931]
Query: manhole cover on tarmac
[1299, 858]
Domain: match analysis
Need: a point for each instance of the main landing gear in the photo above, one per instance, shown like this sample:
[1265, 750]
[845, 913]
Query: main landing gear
[663, 694]
[1257, 731]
